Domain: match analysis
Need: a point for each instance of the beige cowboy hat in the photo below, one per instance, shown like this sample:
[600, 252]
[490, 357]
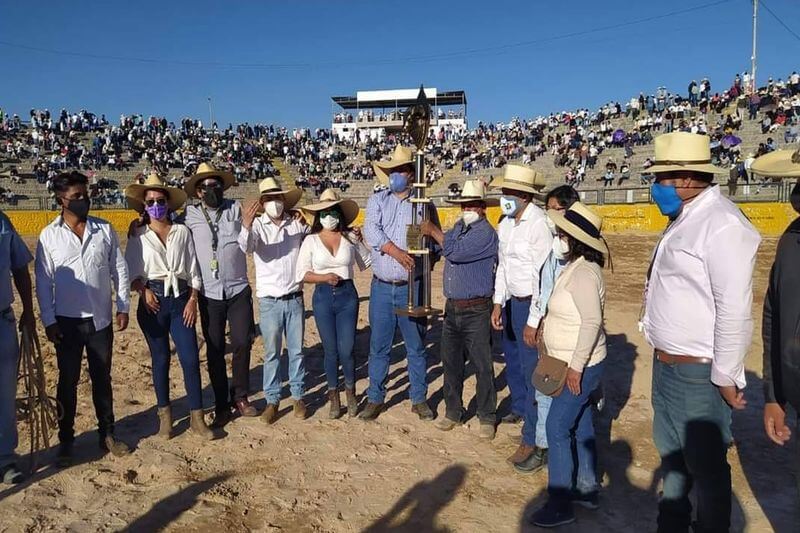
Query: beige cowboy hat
[474, 190]
[520, 178]
[403, 155]
[270, 187]
[778, 164]
[682, 150]
[581, 223]
[207, 170]
[330, 198]
[136, 191]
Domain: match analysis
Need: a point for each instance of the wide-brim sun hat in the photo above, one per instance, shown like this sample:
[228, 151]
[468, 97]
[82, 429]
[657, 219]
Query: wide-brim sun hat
[207, 170]
[778, 164]
[330, 198]
[403, 155]
[581, 223]
[520, 178]
[135, 193]
[269, 187]
[474, 191]
[682, 150]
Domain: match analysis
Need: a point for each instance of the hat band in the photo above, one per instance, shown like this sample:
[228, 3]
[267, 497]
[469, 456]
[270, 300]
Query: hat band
[518, 182]
[582, 223]
[682, 163]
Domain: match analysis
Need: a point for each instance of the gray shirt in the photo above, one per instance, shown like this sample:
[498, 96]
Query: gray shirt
[14, 255]
[231, 276]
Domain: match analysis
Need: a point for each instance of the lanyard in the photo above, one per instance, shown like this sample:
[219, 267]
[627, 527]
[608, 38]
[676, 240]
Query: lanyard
[212, 227]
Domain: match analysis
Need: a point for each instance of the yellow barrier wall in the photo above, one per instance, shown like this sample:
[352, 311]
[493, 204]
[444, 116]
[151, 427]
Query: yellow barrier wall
[771, 219]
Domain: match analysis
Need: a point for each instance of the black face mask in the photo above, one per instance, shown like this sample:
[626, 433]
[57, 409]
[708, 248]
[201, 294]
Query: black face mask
[212, 197]
[79, 208]
[794, 198]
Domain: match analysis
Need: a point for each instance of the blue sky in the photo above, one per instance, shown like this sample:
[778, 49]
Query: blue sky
[279, 62]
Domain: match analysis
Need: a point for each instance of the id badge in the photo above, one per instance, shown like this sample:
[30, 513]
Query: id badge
[214, 265]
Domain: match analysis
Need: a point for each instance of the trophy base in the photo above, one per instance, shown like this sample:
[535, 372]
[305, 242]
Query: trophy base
[417, 312]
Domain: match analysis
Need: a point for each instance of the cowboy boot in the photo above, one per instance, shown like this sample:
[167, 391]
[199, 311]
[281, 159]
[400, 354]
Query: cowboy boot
[352, 402]
[335, 404]
[165, 422]
[198, 425]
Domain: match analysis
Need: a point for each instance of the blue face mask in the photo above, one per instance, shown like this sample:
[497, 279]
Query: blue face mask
[508, 205]
[667, 199]
[398, 182]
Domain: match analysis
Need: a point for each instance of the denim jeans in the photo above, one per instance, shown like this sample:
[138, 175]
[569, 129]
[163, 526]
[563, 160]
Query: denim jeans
[383, 299]
[279, 318]
[9, 360]
[569, 424]
[692, 432]
[157, 328]
[336, 315]
[521, 361]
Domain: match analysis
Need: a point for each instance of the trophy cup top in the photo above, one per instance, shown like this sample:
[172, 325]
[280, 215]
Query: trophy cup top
[417, 120]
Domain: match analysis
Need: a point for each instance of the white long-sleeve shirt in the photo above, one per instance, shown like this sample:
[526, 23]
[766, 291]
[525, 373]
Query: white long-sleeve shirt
[524, 247]
[275, 248]
[700, 291]
[74, 278]
[149, 259]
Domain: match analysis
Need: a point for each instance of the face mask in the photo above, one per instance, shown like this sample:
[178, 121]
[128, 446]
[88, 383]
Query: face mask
[667, 199]
[470, 217]
[79, 208]
[329, 222]
[550, 225]
[273, 208]
[398, 182]
[508, 205]
[794, 197]
[560, 248]
[212, 197]
[156, 211]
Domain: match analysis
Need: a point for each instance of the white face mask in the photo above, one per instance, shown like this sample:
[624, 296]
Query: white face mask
[508, 205]
[469, 217]
[550, 225]
[560, 248]
[329, 222]
[273, 208]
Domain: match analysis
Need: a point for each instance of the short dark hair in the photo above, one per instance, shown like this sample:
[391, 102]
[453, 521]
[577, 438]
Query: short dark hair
[579, 249]
[65, 180]
[565, 195]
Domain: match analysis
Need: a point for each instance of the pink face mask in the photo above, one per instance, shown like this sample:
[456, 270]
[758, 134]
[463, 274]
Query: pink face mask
[157, 211]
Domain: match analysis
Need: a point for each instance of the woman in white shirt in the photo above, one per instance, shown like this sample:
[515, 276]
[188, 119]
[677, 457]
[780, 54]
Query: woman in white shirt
[573, 333]
[164, 271]
[327, 257]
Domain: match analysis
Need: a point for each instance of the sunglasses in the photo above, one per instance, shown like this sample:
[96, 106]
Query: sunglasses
[151, 202]
[211, 185]
[329, 212]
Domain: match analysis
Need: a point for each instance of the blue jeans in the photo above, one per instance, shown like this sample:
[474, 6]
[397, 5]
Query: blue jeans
[383, 299]
[692, 432]
[157, 327]
[336, 314]
[521, 361]
[570, 422]
[279, 317]
[9, 359]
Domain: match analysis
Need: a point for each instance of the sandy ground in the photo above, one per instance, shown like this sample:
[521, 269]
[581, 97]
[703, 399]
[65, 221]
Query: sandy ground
[396, 474]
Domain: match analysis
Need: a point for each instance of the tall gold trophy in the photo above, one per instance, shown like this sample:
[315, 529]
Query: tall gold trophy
[416, 121]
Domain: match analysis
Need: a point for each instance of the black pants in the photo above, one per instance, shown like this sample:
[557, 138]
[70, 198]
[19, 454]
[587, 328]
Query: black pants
[466, 332]
[238, 311]
[79, 333]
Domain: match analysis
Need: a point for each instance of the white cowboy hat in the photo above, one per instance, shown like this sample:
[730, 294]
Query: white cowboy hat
[402, 155]
[270, 187]
[474, 190]
[330, 198]
[520, 178]
[682, 150]
[136, 191]
[778, 164]
[207, 170]
[582, 224]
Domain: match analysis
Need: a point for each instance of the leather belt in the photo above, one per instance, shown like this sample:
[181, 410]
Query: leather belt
[469, 302]
[290, 296]
[671, 359]
[522, 298]
[401, 283]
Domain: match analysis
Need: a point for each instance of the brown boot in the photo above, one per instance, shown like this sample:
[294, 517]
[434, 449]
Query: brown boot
[523, 452]
[336, 404]
[198, 425]
[352, 402]
[300, 410]
[165, 422]
[270, 414]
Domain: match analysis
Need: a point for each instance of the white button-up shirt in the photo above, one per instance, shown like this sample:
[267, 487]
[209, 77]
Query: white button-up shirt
[524, 247]
[148, 258]
[275, 248]
[74, 278]
[698, 300]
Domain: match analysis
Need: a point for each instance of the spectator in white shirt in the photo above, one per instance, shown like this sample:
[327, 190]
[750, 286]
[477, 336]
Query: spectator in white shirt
[525, 243]
[274, 239]
[163, 269]
[698, 317]
[78, 261]
[327, 258]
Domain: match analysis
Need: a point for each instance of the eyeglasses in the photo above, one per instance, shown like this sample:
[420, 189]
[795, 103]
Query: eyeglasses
[159, 201]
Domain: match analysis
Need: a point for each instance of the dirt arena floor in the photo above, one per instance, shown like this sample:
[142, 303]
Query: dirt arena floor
[396, 474]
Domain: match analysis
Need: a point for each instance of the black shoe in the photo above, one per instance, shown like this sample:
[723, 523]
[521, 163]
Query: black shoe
[116, 447]
[534, 463]
[589, 500]
[553, 516]
[371, 411]
[511, 418]
[64, 457]
[10, 475]
[423, 411]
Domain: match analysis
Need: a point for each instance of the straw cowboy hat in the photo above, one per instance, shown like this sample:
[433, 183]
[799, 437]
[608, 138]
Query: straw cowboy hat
[520, 178]
[330, 198]
[207, 170]
[778, 164]
[683, 151]
[136, 191]
[403, 155]
[269, 187]
[582, 224]
[474, 190]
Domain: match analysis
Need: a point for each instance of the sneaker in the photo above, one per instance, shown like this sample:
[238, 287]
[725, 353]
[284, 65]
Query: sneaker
[511, 418]
[487, 431]
[270, 414]
[445, 424]
[535, 462]
[371, 411]
[589, 500]
[423, 411]
[553, 516]
[11, 475]
[116, 447]
[64, 456]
